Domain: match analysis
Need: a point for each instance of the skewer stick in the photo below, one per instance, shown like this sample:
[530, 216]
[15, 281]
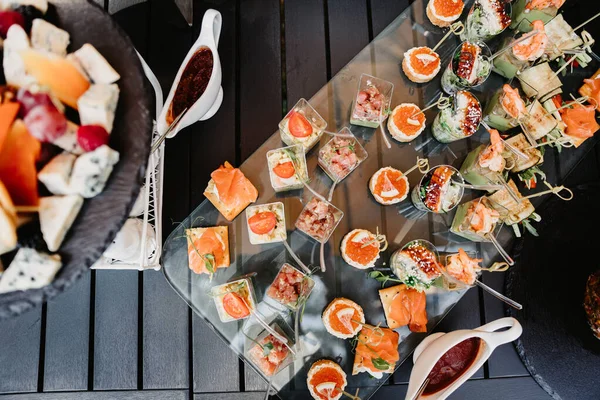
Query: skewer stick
[457, 28]
[500, 249]
[563, 141]
[509, 146]
[558, 71]
[422, 164]
[556, 190]
[496, 267]
[499, 296]
[586, 22]
[27, 209]
[443, 102]
[511, 45]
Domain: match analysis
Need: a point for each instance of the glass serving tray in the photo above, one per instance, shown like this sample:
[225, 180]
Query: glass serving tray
[401, 223]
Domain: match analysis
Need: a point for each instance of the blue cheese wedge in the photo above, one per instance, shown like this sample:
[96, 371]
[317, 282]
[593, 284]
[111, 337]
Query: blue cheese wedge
[47, 37]
[56, 174]
[98, 104]
[29, 270]
[57, 214]
[278, 233]
[41, 5]
[68, 141]
[95, 65]
[91, 171]
[13, 65]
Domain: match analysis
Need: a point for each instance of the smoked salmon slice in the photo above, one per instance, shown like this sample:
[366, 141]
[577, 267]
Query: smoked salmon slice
[404, 306]
[580, 121]
[376, 343]
[230, 191]
[208, 249]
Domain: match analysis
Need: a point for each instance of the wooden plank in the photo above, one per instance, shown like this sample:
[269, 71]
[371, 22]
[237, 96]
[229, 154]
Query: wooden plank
[20, 352]
[305, 63]
[165, 338]
[348, 31]
[112, 395]
[209, 375]
[116, 330]
[490, 389]
[383, 12]
[260, 73]
[230, 396]
[67, 339]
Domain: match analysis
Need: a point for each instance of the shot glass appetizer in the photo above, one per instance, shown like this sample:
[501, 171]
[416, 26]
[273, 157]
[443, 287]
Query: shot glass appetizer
[460, 269]
[341, 155]
[485, 164]
[417, 264]
[406, 123]
[469, 67]
[389, 186]
[438, 191]
[318, 219]
[287, 168]
[291, 287]
[302, 125]
[266, 223]
[372, 101]
[513, 212]
[234, 300]
[475, 220]
[268, 353]
[458, 121]
[504, 109]
[360, 248]
[521, 51]
[487, 19]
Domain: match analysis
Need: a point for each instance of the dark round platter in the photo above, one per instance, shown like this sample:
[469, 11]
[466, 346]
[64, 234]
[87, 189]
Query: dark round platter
[549, 278]
[102, 216]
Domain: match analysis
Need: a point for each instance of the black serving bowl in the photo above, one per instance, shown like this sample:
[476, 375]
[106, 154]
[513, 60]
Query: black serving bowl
[102, 216]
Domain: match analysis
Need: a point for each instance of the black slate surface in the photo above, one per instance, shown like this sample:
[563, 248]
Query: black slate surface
[557, 346]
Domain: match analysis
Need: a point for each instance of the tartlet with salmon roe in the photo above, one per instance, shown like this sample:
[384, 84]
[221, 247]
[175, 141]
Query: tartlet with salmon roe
[405, 124]
[421, 64]
[360, 248]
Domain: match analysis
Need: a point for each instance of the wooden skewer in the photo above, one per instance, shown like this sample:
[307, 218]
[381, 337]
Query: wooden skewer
[586, 22]
[27, 209]
[443, 102]
[422, 164]
[457, 28]
[558, 71]
[554, 190]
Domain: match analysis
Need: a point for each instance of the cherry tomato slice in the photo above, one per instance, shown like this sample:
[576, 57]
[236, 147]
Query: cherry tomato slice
[263, 222]
[299, 125]
[285, 170]
[235, 306]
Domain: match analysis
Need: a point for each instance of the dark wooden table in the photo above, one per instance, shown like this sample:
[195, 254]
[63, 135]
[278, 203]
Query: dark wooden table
[126, 334]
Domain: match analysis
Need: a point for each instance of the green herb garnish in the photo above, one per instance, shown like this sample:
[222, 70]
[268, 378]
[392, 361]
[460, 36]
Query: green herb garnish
[383, 278]
[266, 348]
[380, 364]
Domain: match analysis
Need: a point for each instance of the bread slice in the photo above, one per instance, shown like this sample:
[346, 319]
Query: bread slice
[221, 232]
[228, 211]
[387, 296]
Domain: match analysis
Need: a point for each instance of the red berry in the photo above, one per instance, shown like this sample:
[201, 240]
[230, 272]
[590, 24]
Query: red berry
[90, 137]
[29, 100]
[46, 123]
[9, 18]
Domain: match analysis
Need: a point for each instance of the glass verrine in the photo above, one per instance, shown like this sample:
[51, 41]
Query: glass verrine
[235, 300]
[451, 282]
[318, 219]
[372, 101]
[266, 223]
[475, 220]
[506, 63]
[458, 121]
[341, 155]
[302, 125]
[495, 114]
[487, 19]
[416, 264]
[469, 67]
[437, 191]
[291, 287]
[475, 173]
[287, 168]
[267, 353]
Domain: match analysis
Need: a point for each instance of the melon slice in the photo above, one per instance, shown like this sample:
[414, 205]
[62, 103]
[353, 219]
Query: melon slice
[8, 113]
[17, 165]
[59, 74]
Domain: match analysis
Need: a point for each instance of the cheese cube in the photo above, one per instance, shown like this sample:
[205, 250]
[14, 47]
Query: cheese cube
[57, 214]
[45, 36]
[97, 106]
[95, 65]
[14, 67]
[29, 270]
[68, 141]
[41, 5]
[91, 171]
[56, 174]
